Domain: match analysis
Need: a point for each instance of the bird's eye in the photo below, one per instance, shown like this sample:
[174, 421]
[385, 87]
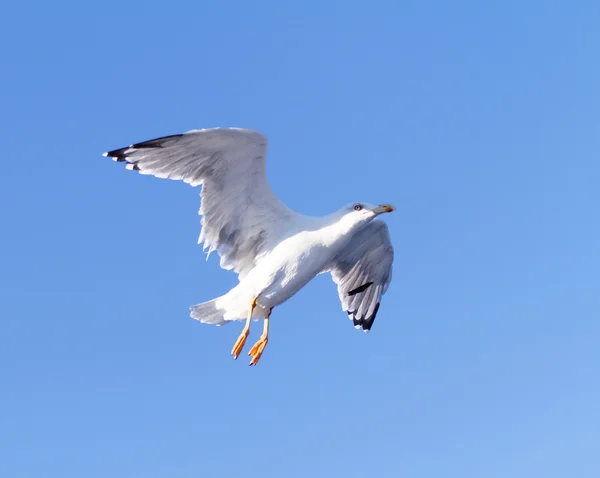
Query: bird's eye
[358, 207]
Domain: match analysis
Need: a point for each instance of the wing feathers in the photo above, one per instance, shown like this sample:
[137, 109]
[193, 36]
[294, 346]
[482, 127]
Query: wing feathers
[241, 216]
[361, 288]
[363, 271]
[155, 143]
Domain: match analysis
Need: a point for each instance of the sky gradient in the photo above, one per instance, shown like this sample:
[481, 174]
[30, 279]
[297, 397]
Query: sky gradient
[478, 122]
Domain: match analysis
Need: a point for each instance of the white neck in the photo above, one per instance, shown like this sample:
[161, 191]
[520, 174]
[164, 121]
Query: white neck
[339, 228]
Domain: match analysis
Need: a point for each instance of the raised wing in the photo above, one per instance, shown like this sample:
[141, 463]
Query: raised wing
[363, 272]
[241, 216]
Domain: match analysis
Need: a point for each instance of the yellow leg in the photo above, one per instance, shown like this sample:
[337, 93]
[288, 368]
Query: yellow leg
[258, 348]
[241, 341]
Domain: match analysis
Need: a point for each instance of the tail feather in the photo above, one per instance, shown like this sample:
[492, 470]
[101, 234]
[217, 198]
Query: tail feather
[208, 313]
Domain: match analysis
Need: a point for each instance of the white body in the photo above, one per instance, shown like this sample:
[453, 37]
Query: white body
[286, 269]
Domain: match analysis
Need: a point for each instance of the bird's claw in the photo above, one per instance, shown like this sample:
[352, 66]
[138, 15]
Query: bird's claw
[257, 350]
[239, 344]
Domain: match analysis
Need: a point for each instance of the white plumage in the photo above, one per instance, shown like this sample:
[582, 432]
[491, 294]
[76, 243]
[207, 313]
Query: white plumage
[274, 250]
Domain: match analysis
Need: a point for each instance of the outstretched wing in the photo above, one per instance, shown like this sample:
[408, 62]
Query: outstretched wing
[241, 216]
[363, 272]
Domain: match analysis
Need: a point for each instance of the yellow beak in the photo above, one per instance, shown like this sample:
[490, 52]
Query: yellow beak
[383, 208]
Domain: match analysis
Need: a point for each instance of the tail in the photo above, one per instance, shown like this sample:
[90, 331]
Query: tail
[208, 313]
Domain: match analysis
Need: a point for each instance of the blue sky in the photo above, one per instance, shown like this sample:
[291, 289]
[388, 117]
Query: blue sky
[478, 121]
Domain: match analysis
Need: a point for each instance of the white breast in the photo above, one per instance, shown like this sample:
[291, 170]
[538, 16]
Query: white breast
[290, 266]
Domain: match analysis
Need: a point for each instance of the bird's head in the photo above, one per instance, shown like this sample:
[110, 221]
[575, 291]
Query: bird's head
[353, 216]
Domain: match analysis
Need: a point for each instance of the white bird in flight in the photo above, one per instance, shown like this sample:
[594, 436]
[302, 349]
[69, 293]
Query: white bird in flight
[274, 250]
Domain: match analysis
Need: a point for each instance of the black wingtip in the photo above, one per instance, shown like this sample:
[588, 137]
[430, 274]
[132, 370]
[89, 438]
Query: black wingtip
[362, 322]
[156, 142]
[120, 156]
[117, 155]
[367, 324]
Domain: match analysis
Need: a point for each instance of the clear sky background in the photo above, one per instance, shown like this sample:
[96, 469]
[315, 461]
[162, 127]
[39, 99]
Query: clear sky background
[480, 121]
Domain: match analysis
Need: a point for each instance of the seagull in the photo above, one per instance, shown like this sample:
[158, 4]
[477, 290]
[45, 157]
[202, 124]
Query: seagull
[274, 251]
